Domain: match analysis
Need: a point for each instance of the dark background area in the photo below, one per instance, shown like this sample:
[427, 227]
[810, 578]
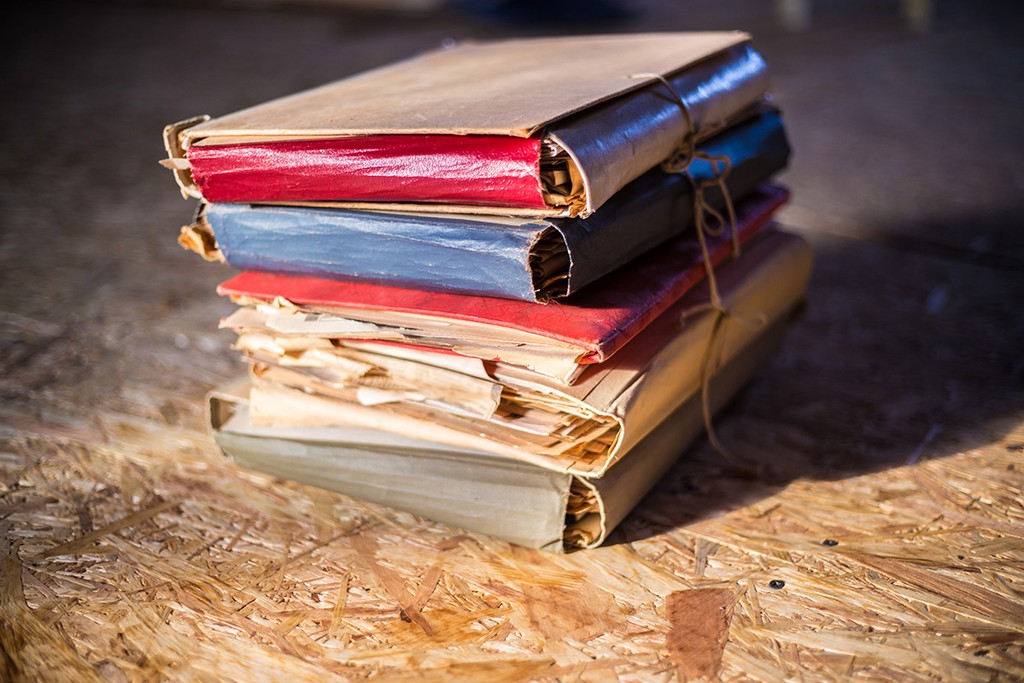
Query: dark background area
[908, 179]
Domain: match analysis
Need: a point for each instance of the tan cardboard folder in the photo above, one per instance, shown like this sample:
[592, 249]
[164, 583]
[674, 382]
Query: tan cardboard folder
[603, 117]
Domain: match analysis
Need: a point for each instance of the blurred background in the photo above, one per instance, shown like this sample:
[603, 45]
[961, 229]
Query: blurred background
[906, 119]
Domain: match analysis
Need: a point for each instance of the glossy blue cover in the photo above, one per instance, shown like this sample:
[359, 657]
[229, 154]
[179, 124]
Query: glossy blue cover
[483, 254]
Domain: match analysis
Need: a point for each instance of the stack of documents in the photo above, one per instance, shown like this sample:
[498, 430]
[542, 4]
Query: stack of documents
[472, 287]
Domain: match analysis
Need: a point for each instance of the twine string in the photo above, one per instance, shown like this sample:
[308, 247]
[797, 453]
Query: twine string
[707, 221]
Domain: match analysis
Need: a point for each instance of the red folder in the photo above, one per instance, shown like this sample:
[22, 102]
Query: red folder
[385, 168]
[600, 319]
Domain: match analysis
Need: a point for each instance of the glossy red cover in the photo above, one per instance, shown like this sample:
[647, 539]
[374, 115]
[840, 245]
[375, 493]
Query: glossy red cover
[454, 169]
[600, 318]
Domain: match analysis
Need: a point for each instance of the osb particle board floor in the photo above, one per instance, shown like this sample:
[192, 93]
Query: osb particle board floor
[891, 423]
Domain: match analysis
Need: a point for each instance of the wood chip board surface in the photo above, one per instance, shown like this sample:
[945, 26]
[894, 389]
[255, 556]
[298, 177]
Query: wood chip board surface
[140, 553]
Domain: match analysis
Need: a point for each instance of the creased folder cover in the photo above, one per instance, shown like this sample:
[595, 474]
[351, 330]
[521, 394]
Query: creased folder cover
[557, 124]
[532, 260]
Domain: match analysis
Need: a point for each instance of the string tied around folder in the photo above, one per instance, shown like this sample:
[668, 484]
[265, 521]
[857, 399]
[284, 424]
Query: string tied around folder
[681, 161]
[708, 221]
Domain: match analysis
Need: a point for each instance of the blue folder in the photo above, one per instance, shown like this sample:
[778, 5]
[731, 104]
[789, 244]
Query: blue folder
[529, 259]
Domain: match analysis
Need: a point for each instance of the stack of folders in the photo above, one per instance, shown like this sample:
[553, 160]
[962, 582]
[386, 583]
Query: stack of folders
[471, 287]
